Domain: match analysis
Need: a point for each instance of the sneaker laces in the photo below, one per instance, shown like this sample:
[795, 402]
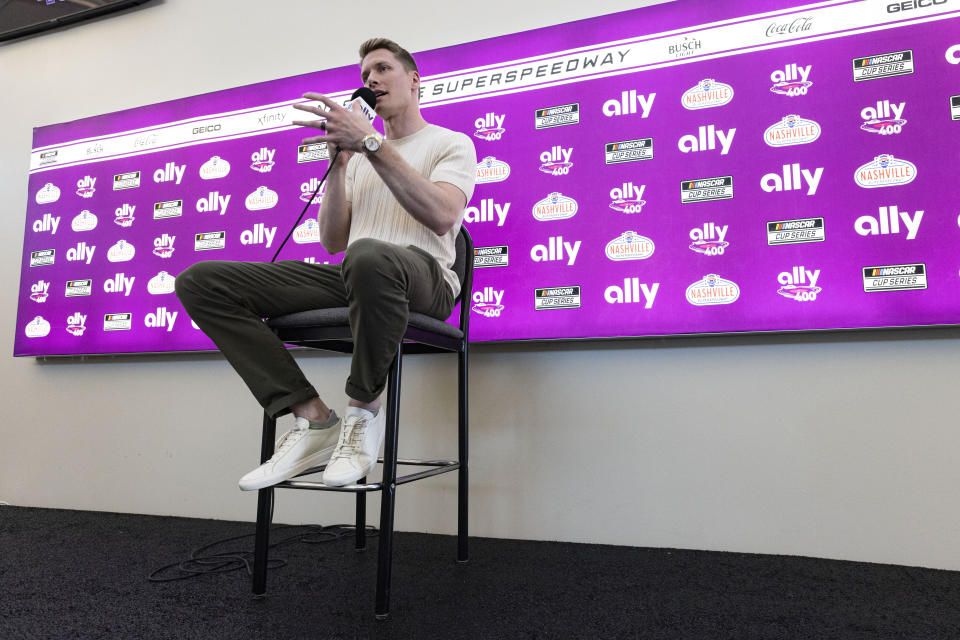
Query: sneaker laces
[352, 439]
[289, 439]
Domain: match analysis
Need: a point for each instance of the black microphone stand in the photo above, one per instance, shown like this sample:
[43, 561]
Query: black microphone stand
[309, 202]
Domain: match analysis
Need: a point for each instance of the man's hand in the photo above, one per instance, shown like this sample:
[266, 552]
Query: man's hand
[343, 129]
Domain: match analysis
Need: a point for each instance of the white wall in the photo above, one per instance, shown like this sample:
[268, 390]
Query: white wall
[833, 446]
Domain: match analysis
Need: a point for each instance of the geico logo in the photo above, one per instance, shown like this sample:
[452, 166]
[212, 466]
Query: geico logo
[799, 275]
[119, 284]
[630, 102]
[793, 179]
[888, 223]
[208, 129]
[707, 139]
[907, 5]
[710, 231]
[488, 211]
[953, 54]
[47, 223]
[555, 249]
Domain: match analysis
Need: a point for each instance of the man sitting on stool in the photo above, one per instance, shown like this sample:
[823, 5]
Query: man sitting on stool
[395, 203]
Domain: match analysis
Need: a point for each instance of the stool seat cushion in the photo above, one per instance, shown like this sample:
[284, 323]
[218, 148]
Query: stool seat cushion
[338, 317]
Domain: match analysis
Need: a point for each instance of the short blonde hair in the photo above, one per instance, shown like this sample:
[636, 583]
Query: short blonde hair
[399, 52]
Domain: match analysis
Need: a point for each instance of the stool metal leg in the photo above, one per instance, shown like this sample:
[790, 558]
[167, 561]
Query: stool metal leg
[360, 535]
[261, 544]
[389, 488]
[462, 480]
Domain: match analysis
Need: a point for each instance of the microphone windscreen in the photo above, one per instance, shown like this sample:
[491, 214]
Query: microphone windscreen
[368, 96]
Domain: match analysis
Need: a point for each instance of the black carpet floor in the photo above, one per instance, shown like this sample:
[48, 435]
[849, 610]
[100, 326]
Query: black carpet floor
[77, 574]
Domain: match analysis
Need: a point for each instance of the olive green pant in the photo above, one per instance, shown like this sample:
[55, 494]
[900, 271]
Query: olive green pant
[381, 283]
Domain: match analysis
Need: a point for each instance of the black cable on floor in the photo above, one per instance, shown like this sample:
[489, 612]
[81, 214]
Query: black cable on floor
[200, 562]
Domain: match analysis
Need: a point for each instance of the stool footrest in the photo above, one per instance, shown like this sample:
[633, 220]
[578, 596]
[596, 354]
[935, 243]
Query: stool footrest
[439, 466]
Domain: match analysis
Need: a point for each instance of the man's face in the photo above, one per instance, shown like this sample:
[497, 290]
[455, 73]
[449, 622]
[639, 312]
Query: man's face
[395, 87]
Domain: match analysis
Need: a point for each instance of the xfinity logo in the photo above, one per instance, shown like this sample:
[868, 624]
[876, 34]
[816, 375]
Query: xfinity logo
[207, 129]
[909, 5]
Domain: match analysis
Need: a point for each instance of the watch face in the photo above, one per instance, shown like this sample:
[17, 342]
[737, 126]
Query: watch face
[371, 143]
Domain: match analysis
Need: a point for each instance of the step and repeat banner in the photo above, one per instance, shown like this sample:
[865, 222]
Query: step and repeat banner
[683, 168]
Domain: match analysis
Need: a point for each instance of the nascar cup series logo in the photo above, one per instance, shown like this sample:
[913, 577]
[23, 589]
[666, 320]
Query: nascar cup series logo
[556, 161]
[885, 171]
[792, 80]
[123, 251]
[799, 284]
[555, 206]
[262, 160]
[161, 283]
[488, 303]
[262, 198]
[85, 187]
[708, 93]
[630, 245]
[39, 291]
[48, 193]
[215, 167]
[489, 127]
[712, 290]
[124, 215]
[790, 131]
[37, 328]
[627, 198]
[492, 170]
[84, 221]
[76, 324]
[307, 233]
[307, 189]
[709, 240]
[884, 119]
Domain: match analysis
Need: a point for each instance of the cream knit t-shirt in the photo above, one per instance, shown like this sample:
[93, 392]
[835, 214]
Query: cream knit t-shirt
[436, 153]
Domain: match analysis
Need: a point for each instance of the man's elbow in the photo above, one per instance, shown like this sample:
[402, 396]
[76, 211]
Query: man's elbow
[445, 223]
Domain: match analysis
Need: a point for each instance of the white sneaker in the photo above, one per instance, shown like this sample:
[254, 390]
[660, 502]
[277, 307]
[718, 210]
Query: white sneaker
[297, 450]
[358, 447]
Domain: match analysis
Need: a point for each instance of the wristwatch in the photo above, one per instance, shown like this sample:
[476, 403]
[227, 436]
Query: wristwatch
[372, 142]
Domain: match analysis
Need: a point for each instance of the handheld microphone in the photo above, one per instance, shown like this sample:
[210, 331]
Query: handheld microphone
[363, 100]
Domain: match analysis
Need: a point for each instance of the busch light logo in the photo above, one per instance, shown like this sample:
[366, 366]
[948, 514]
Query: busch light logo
[215, 167]
[709, 240]
[712, 290]
[308, 232]
[161, 284]
[489, 127]
[492, 170]
[885, 171]
[708, 93]
[555, 206]
[37, 328]
[885, 119]
[790, 131]
[556, 161]
[307, 189]
[630, 245]
[627, 198]
[124, 215]
[488, 303]
[76, 324]
[800, 284]
[48, 193]
[261, 199]
[262, 160]
[84, 221]
[792, 80]
[85, 188]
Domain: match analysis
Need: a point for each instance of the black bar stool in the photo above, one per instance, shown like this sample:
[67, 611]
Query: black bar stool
[330, 329]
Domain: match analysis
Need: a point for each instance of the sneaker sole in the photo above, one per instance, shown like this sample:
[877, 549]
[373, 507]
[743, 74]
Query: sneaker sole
[314, 460]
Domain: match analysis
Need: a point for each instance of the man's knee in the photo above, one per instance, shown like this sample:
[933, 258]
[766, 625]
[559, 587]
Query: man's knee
[368, 259]
[195, 279]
